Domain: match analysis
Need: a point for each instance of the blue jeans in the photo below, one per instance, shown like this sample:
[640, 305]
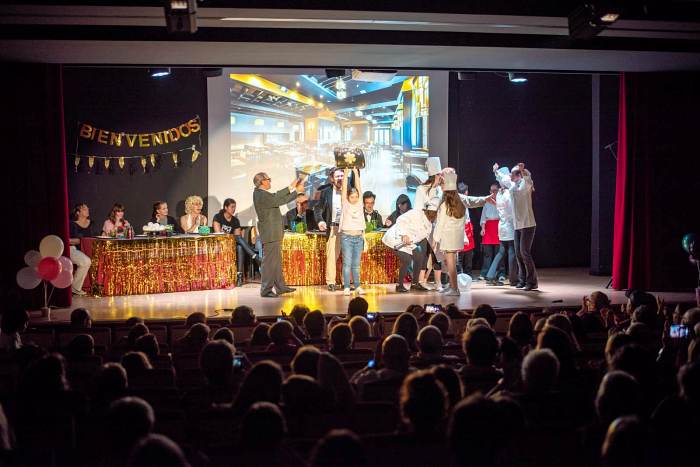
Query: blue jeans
[506, 246]
[351, 247]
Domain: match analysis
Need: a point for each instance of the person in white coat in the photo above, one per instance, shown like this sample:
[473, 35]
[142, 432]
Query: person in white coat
[520, 185]
[506, 233]
[405, 237]
[431, 188]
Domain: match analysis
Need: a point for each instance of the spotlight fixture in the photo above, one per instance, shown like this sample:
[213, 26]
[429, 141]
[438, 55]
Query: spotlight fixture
[181, 16]
[159, 72]
[517, 78]
[589, 19]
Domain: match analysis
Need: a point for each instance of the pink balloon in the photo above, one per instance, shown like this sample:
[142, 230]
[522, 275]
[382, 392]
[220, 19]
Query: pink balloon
[27, 278]
[64, 279]
[66, 263]
[32, 258]
[49, 268]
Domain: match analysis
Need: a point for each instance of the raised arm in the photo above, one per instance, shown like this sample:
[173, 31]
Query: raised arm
[344, 187]
[356, 178]
[504, 180]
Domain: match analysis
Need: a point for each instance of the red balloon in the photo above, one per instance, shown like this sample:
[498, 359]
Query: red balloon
[49, 268]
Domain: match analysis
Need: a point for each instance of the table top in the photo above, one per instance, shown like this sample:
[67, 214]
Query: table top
[159, 237]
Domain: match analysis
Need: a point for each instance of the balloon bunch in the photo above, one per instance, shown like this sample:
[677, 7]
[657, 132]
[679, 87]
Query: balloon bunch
[46, 265]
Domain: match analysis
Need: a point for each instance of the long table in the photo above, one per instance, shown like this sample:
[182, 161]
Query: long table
[203, 262]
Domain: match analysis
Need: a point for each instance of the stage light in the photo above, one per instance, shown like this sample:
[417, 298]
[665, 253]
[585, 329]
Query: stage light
[589, 19]
[298, 84]
[159, 72]
[358, 113]
[517, 78]
[283, 89]
[181, 16]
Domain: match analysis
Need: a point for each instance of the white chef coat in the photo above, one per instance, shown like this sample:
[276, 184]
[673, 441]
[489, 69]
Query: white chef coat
[424, 194]
[413, 224]
[521, 194]
[449, 231]
[504, 206]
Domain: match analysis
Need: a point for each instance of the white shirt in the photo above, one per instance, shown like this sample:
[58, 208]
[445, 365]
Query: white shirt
[521, 194]
[504, 206]
[488, 213]
[337, 206]
[424, 194]
[413, 224]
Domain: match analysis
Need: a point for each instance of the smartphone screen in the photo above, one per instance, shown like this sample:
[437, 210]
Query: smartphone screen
[371, 364]
[237, 361]
[679, 331]
[280, 318]
[371, 316]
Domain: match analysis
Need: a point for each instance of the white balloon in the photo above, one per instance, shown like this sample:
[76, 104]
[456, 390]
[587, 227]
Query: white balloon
[51, 245]
[32, 258]
[464, 282]
[27, 278]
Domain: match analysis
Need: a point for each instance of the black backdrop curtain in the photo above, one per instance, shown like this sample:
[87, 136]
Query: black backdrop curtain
[34, 171]
[657, 183]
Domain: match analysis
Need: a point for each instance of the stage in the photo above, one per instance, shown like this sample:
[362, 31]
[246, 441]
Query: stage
[558, 287]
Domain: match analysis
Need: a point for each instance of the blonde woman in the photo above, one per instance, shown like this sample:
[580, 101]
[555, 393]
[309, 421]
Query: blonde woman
[193, 218]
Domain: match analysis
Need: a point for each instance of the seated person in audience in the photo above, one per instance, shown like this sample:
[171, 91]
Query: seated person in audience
[305, 361]
[593, 311]
[194, 318]
[406, 325]
[336, 387]
[160, 215]
[193, 340]
[558, 341]
[300, 214]
[79, 227]
[339, 448]
[115, 221]
[193, 218]
[263, 383]
[110, 384]
[302, 398]
[243, 315]
[315, 324]
[521, 331]
[340, 339]
[224, 334]
[136, 331]
[148, 344]
[430, 347]
[395, 364]
[441, 321]
[481, 348]
[450, 381]
[282, 338]
[361, 329]
[475, 433]
[80, 319]
[260, 337]
[453, 312]
[298, 313]
[135, 364]
[487, 312]
[128, 420]
[371, 215]
[629, 441]
[80, 347]
[358, 306]
[226, 221]
[14, 321]
[217, 364]
[157, 450]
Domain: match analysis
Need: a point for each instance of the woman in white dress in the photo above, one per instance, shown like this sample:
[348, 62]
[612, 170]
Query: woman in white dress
[449, 229]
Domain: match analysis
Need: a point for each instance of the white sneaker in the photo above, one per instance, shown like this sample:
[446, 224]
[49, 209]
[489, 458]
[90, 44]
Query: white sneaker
[452, 293]
[80, 293]
[360, 291]
[346, 291]
[428, 285]
[441, 289]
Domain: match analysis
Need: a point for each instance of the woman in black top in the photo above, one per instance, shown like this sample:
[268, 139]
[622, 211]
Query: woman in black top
[80, 226]
[225, 221]
[160, 215]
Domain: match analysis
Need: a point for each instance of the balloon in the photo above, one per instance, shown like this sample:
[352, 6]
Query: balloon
[66, 263]
[27, 278]
[51, 246]
[49, 268]
[688, 241]
[464, 282]
[64, 279]
[32, 258]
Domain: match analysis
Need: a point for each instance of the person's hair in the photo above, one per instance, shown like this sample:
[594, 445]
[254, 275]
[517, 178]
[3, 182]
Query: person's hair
[82, 345]
[559, 342]
[367, 195]
[462, 188]
[242, 314]
[198, 333]
[110, 381]
[689, 382]
[480, 346]
[280, 332]
[416, 310]
[156, 207]
[298, 312]
[216, 362]
[396, 352]
[516, 172]
[520, 328]
[259, 336]
[258, 179]
[131, 321]
[430, 340]
[406, 325]
[487, 312]
[358, 306]
[128, 420]
[227, 202]
[644, 314]
[599, 300]
[194, 318]
[338, 448]
[301, 394]
[191, 201]
[305, 362]
[450, 381]
[614, 343]
[80, 318]
[262, 383]
[474, 431]
[626, 443]
[135, 362]
[157, 450]
[117, 207]
[263, 426]
[148, 344]
[45, 375]
[453, 311]
[13, 320]
[540, 370]
[635, 360]
[474, 322]
[75, 213]
[360, 328]
[224, 334]
[429, 181]
[423, 401]
[694, 350]
[454, 204]
[315, 324]
[341, 337]
[619, 394]
[136, 331]
[441, 321]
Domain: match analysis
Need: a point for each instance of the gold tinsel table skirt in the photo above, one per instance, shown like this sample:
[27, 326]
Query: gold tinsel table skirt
[304, 260]
[158, 265]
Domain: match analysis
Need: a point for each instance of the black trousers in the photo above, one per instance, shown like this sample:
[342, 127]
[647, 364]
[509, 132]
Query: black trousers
[464, 262]
[527, 274]
[417, 259]
[242, 246]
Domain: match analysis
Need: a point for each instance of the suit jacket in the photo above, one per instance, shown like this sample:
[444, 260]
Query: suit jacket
[267, 206]
[308, 218]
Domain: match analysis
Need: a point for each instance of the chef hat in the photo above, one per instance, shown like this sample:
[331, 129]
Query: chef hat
[450, 181]
[448, 170]
[433, 204]
[433, 165]
[515, 167]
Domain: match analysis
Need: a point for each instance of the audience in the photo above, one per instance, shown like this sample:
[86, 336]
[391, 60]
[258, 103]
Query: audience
[358, 306]
[481, 348]
[282, 338]
[340, 339]
[315, 324]
[14, 321]
[360, 327]
[406, 325]
[80, 319]
[243, 316]
[157, 450]
[487, 312]
[193, 340]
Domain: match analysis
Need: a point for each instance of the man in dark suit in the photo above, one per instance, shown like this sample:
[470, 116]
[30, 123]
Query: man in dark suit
[327, 213]
[301, 213]
[267, 206]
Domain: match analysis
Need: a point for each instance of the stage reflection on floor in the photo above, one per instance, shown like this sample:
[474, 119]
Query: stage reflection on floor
[558, 287]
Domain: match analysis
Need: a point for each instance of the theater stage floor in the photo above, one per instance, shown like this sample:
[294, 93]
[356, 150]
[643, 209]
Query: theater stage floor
[558, 287]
